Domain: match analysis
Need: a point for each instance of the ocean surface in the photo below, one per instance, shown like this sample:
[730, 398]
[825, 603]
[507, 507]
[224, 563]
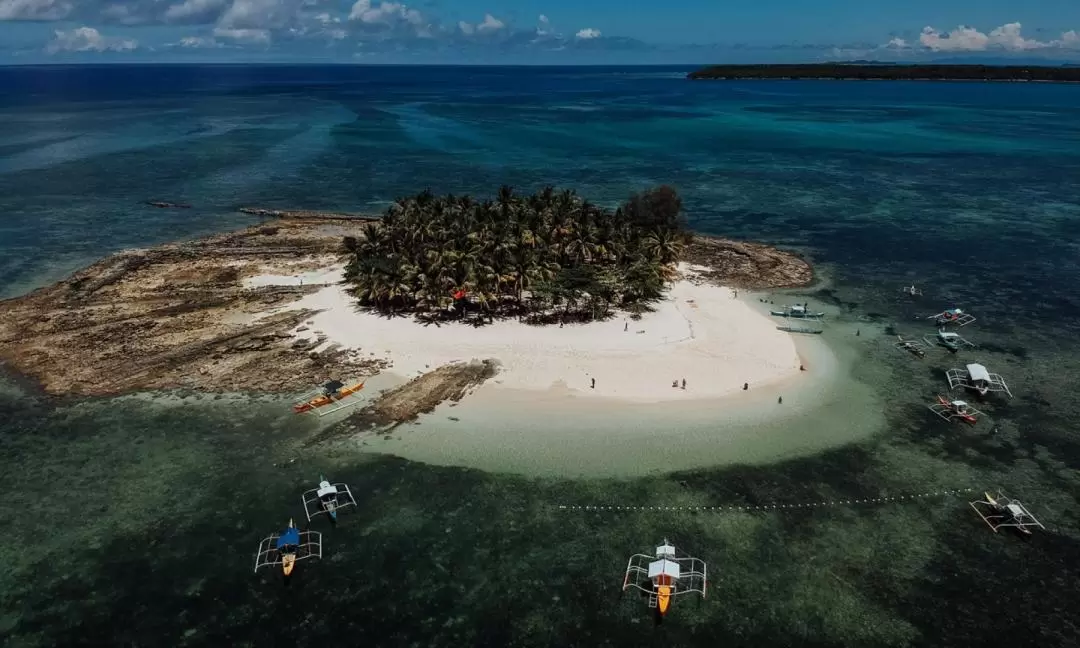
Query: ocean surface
[134, 521]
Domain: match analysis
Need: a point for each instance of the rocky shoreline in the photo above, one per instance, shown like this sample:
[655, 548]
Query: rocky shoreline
[180, 316]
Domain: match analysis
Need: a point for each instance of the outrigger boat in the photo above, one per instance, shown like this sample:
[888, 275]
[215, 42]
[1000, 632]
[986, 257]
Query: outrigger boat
[665, 576]
[912, 291]
[951, 410]
[331, 397]
[1004, 512]
[948, 339]
[287, 548]
[953, 316]
[798, 311]
[327, 498]
[976, 378]
[801, 329]
[914, 347]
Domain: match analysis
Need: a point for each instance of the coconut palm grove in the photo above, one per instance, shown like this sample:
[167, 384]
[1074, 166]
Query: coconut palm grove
[547, 257]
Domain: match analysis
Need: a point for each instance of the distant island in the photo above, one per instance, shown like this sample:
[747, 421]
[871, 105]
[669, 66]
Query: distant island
[890, 72]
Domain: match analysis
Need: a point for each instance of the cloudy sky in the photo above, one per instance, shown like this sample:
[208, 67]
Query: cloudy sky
[534, 31]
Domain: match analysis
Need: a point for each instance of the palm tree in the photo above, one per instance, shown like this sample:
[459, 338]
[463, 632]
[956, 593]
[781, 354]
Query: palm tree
[545, 250]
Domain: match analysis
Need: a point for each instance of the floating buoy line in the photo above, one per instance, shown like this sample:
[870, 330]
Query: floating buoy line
[772, 506]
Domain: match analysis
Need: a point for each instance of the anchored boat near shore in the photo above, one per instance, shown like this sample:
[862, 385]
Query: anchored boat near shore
[664, 576]
[334, 393]
[800, 329]
[798, 311]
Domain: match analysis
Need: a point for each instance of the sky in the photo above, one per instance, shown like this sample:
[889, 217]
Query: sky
[535, 31]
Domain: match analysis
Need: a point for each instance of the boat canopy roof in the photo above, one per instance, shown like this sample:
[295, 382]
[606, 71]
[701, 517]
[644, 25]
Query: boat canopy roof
[978, 372]
[664, 567]
[326, 488]
[291, 536]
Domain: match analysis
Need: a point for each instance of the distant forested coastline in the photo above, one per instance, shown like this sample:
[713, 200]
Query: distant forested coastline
[890, 72]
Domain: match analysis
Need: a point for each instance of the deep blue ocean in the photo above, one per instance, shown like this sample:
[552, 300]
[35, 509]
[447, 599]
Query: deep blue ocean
[134, 525]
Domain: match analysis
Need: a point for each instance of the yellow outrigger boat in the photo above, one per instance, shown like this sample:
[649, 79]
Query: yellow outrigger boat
[664, 576]
[334, 391]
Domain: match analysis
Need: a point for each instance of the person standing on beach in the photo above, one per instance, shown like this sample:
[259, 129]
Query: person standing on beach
[780, 400]
[684, 383]
[594, 383]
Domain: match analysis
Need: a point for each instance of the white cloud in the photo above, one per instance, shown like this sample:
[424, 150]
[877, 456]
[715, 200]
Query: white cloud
[326, 19]
[958, 40]
[252, 36]
[198, 42]
[490, 24]
[544, 20]
[1007, 37]
[87, 39]
[34, 9]
[588, 33]
[897, 43]
[192, 9]
[1068, 40]
[258, 15]
[385, 13]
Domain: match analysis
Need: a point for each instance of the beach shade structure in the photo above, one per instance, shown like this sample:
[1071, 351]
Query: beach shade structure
[948, 339]
[953, 316]
[287, 548]
[798, 311]
[954, 410]
[976, 378]
[1004, 512]
[332, 397]
[327, 498]
[665, 575]
[914, 347]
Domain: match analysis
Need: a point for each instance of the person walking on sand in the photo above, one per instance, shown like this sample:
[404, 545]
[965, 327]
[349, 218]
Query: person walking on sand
[745, 386]
[780, 400]
[594, 383]
[684, 383]
[625, 326]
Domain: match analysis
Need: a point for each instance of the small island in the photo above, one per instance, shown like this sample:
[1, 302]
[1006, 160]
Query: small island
[890, 72]
[533, 292]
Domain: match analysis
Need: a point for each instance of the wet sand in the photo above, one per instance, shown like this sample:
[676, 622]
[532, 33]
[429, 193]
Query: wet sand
[556, 432]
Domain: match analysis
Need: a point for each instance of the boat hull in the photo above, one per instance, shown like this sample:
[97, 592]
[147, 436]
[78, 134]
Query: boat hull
[322, 401]
[663, 598]
[288, 562]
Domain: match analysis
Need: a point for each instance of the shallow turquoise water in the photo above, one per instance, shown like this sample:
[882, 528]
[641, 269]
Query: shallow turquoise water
[137, 524]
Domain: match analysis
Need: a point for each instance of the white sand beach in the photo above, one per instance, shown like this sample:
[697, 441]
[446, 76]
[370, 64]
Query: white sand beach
[700, 333]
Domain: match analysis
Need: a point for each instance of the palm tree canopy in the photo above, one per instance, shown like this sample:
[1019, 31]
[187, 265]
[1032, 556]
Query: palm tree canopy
[551, 251]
